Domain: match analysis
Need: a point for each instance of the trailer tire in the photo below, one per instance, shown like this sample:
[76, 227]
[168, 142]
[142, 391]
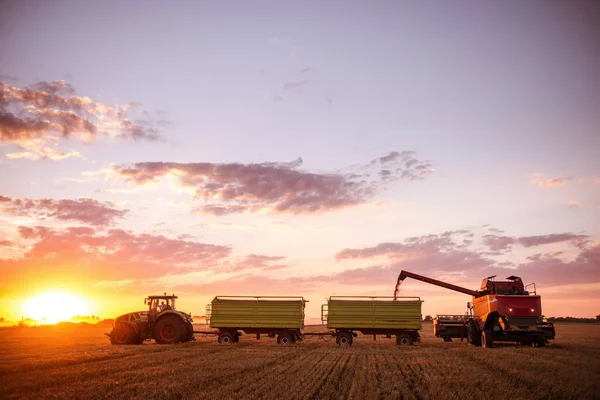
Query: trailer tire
[404, 340]
[226, 338]
[344, 339]
[487, 338]
[285, 339]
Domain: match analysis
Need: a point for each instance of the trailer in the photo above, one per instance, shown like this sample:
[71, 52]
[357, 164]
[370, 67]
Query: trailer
[373, 315]
[273, 316]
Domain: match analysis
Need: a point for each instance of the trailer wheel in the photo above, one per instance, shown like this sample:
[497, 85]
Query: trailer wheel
[344, 339]
[226, 338]
[285, 339]
[404, 340]
[487, 340]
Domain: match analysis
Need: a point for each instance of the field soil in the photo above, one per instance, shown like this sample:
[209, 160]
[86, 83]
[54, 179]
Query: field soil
[78, 361]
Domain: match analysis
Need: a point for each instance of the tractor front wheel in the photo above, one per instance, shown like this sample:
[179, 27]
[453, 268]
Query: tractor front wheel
[169, 329]
[123, 334]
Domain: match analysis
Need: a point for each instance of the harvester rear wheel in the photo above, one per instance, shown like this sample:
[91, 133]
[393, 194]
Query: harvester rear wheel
[123, 334]
[404, 340]
[487, 339]
[226, 338]
[169, 329]
[285, 339]
[344, 339]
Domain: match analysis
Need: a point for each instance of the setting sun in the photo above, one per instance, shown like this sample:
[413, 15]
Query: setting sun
[54, 307]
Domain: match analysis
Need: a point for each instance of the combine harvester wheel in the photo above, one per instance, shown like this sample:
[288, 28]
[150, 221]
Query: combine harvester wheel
[487, 339]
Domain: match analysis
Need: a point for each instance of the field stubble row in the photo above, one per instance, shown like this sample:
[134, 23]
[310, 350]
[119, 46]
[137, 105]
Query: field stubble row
[78, 362]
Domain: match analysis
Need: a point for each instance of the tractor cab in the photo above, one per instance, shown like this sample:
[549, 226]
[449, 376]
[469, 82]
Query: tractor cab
[158, 304]
[513, 285]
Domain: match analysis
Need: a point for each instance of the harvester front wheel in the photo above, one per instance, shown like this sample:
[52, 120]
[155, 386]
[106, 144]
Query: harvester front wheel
[473, 335]
[226, 338]
[487, 340]
[285, 339]
[404, 340]
[169, 329]
[344, 339]
[123, 334]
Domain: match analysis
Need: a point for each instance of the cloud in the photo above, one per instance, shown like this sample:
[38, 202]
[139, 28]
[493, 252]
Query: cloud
[293, 85]
[277, 187]
[88, 255]
[574, 204]
[498, 243]
[84, 210]
[538, 179]
[258, 261]
[37, 117]
[446, 255]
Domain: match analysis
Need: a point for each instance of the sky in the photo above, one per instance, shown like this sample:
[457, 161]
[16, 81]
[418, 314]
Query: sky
[309, 148]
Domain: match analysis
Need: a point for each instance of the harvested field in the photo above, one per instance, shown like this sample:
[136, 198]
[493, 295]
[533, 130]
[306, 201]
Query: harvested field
[79, 362]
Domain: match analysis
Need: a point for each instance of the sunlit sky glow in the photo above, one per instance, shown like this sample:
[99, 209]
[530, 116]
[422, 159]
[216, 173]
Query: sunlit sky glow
[297, 147]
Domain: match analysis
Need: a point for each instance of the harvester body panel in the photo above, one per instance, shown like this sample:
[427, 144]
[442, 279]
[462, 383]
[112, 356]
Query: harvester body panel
[374, 313]
[257, 312]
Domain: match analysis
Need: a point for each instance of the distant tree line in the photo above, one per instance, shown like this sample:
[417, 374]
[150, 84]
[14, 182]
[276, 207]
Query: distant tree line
[574, 319]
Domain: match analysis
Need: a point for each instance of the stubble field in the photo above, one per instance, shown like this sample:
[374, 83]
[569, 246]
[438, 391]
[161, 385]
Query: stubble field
[79, 362]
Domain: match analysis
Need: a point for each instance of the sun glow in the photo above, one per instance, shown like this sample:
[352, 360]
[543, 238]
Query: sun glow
[54, 307]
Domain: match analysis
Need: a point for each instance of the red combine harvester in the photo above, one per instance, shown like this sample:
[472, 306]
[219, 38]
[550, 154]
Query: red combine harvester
[502, 311]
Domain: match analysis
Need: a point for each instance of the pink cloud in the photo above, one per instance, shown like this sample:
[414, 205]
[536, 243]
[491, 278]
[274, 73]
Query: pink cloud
[37, 117]
[85, 210]
[498, 243]
[277, 187]
[86, 255]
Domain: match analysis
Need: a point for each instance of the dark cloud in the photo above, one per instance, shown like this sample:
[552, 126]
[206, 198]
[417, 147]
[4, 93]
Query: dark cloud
[85, 210]
[34, 117]
[277, 187]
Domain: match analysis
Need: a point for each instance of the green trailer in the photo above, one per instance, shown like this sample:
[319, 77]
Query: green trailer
[373, 315]
[281, 316]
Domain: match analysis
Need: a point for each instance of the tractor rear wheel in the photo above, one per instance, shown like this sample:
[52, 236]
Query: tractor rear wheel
[123, 334]
[344, 339]
[487, 340]
[285, 339]
[405, 340]
[169, 329]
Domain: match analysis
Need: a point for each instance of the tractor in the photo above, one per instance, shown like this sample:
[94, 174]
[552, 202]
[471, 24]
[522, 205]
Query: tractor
[162, 322]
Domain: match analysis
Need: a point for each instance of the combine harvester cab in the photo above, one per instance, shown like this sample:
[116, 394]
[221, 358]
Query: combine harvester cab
[281, 316]
[501, 311]
[373, 315]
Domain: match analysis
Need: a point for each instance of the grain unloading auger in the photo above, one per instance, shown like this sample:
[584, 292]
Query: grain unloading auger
[500, 311]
